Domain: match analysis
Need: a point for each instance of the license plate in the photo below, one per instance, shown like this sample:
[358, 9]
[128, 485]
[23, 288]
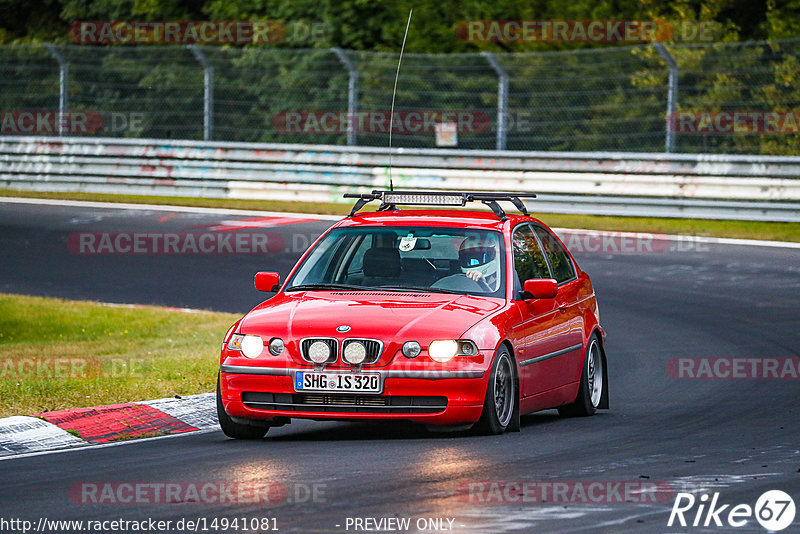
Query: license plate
[339, 382]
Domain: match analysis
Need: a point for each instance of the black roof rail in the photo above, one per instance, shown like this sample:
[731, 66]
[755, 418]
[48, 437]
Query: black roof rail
[391, 199]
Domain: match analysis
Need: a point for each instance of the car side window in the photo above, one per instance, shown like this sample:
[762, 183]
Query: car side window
[560, 262]
[529, 262]
[356, 263]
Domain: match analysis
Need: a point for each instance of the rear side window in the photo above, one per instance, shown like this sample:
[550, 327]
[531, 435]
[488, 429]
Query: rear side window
[560, 263]
[529, 261]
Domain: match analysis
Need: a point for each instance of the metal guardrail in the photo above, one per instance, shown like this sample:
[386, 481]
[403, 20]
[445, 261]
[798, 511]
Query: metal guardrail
[643, 184]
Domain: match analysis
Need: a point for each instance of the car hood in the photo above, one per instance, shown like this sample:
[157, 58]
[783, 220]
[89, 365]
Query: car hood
[389, 316]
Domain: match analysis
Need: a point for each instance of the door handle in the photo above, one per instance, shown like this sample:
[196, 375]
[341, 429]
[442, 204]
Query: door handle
[562, 306]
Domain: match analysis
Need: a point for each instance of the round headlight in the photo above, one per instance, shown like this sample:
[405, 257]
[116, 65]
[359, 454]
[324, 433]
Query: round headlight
[411, 349]
[443, 350]
[276, 346]
[252, 346]
[319, 352]
[354, 353]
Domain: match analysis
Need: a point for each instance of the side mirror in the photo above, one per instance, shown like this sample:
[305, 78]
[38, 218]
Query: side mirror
[267, 281]
[541, 288]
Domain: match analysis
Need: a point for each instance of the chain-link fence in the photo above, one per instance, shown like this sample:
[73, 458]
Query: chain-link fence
[611, 99]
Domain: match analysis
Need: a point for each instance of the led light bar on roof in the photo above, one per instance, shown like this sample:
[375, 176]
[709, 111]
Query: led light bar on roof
[423, 199]
[391, 199]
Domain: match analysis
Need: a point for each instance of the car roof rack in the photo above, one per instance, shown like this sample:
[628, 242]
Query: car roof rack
[391, 199]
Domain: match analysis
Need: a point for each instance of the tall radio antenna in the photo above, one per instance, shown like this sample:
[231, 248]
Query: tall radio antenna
[394, 92]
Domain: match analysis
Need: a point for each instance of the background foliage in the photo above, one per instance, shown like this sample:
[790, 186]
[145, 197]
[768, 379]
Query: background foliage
[562, 96]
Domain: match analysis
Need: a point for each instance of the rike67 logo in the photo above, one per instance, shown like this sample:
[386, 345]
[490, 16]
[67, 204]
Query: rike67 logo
[774, 510]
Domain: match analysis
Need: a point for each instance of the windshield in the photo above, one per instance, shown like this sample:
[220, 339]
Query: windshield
[447, 260]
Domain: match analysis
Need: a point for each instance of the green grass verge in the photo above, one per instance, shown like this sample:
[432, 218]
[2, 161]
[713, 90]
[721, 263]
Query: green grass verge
[57, 354]
[700, 227]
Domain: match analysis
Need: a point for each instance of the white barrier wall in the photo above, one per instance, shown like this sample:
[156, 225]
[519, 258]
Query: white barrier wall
[684, 185]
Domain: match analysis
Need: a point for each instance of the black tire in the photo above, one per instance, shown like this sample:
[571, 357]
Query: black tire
[500, 404]
[236, 430]
[593, 383]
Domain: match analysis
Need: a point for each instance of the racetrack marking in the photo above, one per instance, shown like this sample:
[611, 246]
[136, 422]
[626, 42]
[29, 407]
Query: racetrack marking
[257, 222]
[229, 211]
[165, 207]
[614, 522]
[101, 424]
[23, 433]
[683, 238]
[151, 306]
[705, 483]
[509, 518]
[90, 446]
[200, 411]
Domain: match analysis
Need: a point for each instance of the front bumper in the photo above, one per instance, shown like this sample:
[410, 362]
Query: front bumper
[436, 397]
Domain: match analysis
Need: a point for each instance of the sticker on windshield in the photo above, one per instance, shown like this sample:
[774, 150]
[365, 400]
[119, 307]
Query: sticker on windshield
[407, 243]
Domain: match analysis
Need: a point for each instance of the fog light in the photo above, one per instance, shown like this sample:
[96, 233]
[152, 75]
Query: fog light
[276, 346]
[443, 350]
[467, 348]
[411, 349]
[252, 346]
[354, 353]
[319, 352]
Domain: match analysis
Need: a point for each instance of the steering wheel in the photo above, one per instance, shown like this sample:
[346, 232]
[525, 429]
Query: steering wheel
[462, 282]
[482, 282]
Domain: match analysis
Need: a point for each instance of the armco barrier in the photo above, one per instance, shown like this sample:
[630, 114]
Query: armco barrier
[666, 185]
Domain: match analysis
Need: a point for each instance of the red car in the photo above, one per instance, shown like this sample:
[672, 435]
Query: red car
[449, 318]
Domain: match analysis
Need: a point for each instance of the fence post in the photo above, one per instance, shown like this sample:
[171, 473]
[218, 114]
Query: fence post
[352, 94]
[502, 98]
[63, 89]
[672, 95]
[208, 92]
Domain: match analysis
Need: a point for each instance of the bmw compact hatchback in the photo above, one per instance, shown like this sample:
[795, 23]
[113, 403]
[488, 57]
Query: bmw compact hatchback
[446, 317]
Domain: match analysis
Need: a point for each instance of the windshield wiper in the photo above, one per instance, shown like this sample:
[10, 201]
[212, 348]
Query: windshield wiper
[424, 289]
[311, 287]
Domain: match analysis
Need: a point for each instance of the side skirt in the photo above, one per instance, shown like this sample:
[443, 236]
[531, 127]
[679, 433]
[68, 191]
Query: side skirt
[549, 399]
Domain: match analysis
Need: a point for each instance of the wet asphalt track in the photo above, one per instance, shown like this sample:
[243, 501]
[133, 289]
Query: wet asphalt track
[736, 437]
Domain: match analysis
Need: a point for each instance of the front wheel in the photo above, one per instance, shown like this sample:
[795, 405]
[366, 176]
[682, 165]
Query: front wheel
[501, 396]
[592, 386]
[233, 429]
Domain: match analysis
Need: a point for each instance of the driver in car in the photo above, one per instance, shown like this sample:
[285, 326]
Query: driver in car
[480, 261]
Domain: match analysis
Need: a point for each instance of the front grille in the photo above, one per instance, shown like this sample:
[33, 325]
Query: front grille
[343, 400]
[320, 402]
[332, 343]
[373, 346]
